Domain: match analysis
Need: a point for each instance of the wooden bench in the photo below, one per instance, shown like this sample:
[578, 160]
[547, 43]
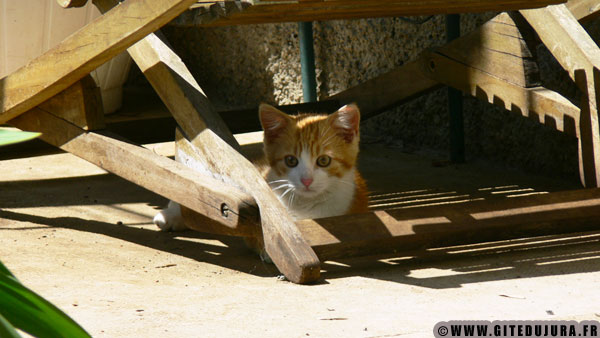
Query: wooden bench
[52, 95]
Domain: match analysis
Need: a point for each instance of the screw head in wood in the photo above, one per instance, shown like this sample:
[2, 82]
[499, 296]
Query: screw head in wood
[224, 210]
[432, 65]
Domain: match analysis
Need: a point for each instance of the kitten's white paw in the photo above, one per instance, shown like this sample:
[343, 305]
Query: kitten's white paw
[170, 219]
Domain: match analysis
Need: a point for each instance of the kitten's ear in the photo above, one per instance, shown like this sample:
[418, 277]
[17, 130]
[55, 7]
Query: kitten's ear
[346, 120]
[273, 120]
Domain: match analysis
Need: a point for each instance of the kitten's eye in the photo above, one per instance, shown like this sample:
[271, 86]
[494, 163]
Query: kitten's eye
[291, 161]
[323, 161]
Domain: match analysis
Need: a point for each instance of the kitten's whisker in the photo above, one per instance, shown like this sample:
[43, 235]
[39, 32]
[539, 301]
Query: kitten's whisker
[285, 192]
[282, 186]
[277, 181]
[342, 181]
[326, 130]
[328, 140]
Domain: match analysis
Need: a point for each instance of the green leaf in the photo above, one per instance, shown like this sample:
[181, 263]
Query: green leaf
[33, 314]
[4, 271]
[7, 330]
[10, 136]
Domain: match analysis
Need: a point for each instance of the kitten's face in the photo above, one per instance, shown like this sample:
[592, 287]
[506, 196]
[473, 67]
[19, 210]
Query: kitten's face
[307, 153]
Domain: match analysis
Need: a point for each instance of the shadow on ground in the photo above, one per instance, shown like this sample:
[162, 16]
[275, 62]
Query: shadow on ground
[446, 268]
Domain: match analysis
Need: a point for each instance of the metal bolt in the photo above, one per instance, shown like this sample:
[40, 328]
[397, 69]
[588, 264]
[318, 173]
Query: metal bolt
[224, 210]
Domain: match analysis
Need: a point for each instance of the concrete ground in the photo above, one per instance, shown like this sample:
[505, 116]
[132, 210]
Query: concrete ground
[84, 239]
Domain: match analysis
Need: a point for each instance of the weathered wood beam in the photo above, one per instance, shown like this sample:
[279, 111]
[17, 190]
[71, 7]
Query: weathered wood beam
[406, 230]
[579, 55]
[80, 104]
[562, 34]
[388, 90]
[584, 10]
[88, 48]
[500, 48]
[141, 166]
[222, 13]
[544, 105]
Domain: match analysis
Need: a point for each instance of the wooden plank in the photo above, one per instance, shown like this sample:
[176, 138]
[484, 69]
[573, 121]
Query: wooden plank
[221, 13]
[88, 48]
[388, 90]
[402, 230]
[143, 167]
[576, 52]
[80, 104]
[282, 240]
[490, 49]
[584, 10]
[565, 38]
[538, 102]
[589, 142]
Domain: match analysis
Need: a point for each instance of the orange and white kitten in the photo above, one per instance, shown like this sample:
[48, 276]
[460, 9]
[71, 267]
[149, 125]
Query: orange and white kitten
[312, 161]
[309, 162]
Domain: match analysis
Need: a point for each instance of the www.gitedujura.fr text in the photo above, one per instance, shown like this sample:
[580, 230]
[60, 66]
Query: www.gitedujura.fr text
[507, 328]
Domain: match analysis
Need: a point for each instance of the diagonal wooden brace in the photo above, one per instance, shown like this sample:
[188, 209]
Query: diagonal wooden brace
[579, 55]
[145, 168]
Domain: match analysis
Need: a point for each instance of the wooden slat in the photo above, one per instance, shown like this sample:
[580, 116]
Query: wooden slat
[490, 49]
[145, 168]
[584, 10]
[221, 13]
[537, 102]
[578, 54]
[403, 230]
[388, 90]
[564, 37]
[80, 104]
[86, 49]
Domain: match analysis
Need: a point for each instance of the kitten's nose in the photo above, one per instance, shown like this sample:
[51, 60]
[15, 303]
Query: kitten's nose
[306, 181]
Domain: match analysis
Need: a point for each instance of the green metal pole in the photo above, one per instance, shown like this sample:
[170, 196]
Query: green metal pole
[455, 101]
[307, 61]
